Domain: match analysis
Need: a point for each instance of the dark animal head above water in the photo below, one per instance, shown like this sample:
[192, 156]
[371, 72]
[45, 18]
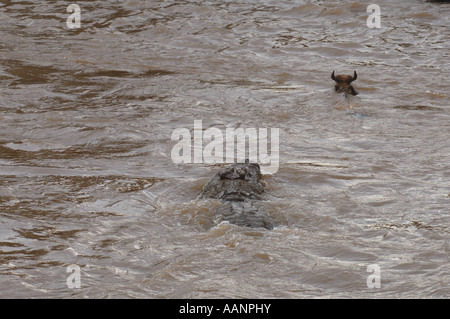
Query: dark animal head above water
[343, 83]
[238, 182]
[238, 187]
[245, 171]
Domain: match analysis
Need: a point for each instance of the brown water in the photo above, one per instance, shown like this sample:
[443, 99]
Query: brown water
[87, 177]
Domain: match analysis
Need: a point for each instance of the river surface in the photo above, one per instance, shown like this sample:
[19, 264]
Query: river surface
[361, 194]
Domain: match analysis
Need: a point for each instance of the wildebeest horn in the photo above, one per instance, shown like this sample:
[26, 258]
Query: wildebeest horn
[332, 76]
[355, 76]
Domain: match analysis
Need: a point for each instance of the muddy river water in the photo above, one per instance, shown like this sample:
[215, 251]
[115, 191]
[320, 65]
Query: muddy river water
[95, 203]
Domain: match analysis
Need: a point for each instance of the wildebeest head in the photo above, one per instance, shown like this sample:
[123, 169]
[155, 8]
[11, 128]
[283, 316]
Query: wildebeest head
[343, 83]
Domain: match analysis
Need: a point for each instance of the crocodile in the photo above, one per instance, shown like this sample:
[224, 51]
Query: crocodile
[237, 187]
